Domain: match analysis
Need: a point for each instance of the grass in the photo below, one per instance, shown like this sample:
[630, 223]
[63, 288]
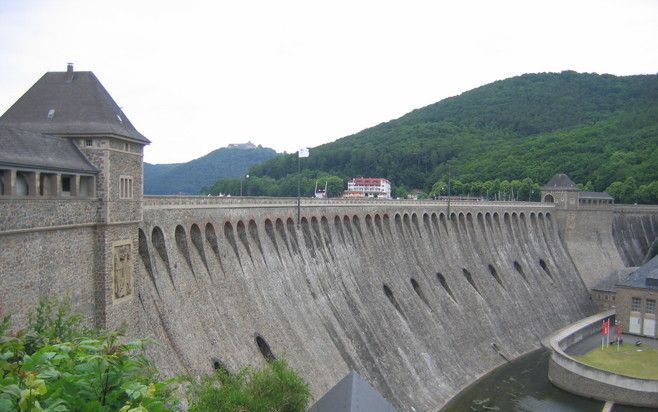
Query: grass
[638, 362]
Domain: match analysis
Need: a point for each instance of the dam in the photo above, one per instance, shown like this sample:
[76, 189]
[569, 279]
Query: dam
[419, 297]
[418, 301]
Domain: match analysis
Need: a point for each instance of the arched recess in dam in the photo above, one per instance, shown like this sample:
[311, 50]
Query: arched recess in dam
[412, 299]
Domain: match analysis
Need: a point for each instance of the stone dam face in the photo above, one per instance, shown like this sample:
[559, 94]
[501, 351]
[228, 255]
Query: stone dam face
[635, 235]
[419, 302]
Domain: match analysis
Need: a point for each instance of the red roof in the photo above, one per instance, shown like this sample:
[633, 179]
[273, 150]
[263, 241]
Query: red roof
[369, 181]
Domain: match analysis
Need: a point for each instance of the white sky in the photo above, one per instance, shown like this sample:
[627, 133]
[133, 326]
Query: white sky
[194, 76]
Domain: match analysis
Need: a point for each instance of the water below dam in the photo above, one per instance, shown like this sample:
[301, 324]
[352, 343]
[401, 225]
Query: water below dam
[523, 386]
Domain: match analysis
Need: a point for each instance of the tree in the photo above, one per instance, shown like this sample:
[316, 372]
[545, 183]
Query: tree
[400, 192]
[440, 188]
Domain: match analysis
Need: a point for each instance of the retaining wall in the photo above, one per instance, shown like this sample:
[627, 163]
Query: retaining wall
[576, 377]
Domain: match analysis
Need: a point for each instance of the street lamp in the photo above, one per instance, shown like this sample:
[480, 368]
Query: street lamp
[303, 152]
[246, 177]
[448, 190]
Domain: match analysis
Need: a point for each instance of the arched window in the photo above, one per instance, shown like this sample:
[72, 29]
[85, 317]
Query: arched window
[549, 199]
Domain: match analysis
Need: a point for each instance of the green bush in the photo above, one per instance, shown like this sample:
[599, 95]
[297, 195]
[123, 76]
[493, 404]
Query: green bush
[275, 388]
[55, 365]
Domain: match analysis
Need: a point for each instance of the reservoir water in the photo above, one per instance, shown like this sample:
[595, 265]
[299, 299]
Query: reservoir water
[523, 385]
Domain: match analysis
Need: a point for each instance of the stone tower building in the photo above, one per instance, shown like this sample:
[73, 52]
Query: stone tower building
[564, 193]
[74, 113]
[561, 191]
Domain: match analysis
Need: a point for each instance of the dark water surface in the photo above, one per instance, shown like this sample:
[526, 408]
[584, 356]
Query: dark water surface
[523, 386]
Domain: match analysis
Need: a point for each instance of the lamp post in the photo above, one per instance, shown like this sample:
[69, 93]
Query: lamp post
[246, 177]
[448, 190]
[303, 152]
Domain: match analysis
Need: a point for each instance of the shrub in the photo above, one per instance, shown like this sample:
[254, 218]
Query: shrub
[275, 388]
[55, 365]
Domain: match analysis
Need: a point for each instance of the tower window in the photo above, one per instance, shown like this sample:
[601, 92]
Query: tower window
[126, 187]
[88, 142]
[66, 183]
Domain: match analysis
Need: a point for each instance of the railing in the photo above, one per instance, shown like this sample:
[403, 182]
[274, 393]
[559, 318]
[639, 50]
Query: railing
[653, 209]
[244, 201]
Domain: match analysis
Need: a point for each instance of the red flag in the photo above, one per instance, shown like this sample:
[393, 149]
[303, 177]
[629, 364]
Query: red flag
[603, 328]
[618, 330]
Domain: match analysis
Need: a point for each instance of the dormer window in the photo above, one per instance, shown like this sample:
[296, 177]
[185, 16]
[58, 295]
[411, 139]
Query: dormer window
[88, 142]
[119, 118]
[51, 113]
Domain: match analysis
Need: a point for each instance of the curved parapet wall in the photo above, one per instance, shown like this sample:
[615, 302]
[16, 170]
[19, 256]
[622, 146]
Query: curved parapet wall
[635, 229]
[576, 377]
[407, 295]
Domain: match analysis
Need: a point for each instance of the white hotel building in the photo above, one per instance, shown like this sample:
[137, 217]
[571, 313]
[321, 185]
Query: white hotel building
[369, 187]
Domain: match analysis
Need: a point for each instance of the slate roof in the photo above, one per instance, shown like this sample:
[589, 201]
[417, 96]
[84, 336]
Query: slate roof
[646, 277]
[595, 195]
[79, 105]
[608, 283]
[21, 148]
[352, 394]
[560, 181]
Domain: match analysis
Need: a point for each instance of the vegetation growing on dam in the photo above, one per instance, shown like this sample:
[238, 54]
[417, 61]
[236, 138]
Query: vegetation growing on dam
[600, 129]
[630, 360]
[56, 365]
[274, 388]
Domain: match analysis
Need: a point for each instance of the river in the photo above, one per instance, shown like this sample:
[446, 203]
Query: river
[523, 386]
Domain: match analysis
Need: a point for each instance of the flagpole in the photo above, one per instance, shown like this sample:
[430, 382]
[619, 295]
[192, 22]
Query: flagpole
[299, 185]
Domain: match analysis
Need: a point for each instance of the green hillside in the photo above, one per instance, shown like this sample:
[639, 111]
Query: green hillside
[602, 130]
[190, 177]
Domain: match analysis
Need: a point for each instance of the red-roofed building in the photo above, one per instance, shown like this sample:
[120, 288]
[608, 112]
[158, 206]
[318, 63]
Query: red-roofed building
[369, 187]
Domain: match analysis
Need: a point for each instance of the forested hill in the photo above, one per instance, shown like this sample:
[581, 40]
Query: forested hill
[599, 129]
[190, 177]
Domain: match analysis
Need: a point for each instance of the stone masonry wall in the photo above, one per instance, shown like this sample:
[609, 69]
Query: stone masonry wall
[27, 213]
[407, 297]
[47, 263]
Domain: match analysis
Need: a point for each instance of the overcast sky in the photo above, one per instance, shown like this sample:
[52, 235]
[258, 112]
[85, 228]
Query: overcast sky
[194, 76]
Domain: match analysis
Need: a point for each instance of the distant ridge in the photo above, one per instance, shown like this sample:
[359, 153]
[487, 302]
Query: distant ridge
[602, 130]
[190, 177]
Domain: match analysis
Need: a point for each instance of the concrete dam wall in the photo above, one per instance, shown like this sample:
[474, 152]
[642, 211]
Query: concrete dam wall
[418, 301]
[635, 232]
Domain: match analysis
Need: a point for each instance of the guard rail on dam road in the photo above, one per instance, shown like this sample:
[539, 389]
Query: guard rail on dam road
[409, 298]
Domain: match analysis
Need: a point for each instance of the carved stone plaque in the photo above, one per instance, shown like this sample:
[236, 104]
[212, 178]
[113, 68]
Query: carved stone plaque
[122, 270]
[571, 221]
